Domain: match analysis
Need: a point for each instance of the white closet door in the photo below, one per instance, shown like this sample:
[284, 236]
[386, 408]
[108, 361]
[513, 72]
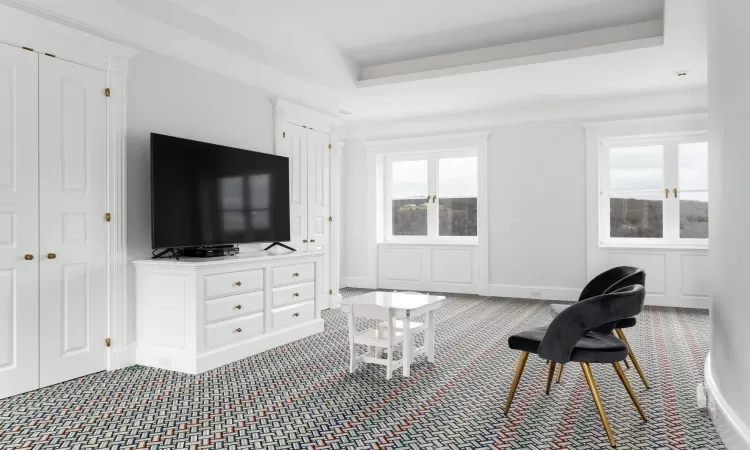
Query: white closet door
[19, 221]
[318, 199]
[72, 171]
[294, 146]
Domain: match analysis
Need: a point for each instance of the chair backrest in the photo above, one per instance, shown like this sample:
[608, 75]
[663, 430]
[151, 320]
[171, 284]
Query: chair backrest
[591, 314]
[613, 279]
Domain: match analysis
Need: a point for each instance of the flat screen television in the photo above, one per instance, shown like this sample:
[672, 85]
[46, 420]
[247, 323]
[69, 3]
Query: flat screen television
[207, 195]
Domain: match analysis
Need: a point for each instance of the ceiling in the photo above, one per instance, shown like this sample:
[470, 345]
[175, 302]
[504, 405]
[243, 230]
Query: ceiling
[393, 59]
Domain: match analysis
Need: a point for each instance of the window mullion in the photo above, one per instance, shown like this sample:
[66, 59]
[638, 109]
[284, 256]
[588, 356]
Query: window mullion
[671, 203]
[432, 210]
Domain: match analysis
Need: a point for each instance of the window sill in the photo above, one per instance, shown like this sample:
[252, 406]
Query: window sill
[431, 243]
[652, 247]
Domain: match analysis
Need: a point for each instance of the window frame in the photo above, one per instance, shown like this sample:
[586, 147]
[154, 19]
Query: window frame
[433, 158]
[671, 213]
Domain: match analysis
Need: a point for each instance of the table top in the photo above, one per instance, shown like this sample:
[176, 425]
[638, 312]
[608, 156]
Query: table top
[395, 300]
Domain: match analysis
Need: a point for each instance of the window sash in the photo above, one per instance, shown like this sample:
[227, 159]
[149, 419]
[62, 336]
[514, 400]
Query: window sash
[671, 207]
[433, 160]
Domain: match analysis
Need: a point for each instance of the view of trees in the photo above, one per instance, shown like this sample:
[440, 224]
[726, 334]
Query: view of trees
[635, 218]
[457, 216]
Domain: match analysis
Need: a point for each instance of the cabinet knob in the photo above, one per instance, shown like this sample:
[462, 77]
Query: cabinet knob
[51, 256]
[28, 257]
[238, 307]
[295, 315]
[296, 294]
[295, 274]
[239, 330]
[239, 283]
[312, 240]
[304, 241]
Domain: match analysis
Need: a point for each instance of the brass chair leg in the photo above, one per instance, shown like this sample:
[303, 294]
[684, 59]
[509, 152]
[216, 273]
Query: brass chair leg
[599, 406]
[550, 375]
[516, 379]
[622, 337]
[627, 366]
[559, 373]
[626, 383]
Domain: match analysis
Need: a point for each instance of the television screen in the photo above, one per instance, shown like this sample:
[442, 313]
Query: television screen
[205, 194]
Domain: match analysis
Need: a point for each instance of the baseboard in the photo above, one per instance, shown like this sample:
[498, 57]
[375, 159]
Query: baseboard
[120, 359]
[534, 292]
[732, 431]
[358, 282]
[684, 301]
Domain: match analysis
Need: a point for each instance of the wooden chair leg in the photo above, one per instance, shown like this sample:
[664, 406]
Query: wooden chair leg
[559, 373]
[516, 379]
[626, 383]
[550, 374]
[599, 406]
[637, 366]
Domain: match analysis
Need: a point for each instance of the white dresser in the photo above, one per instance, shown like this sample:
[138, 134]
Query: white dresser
[197, 314]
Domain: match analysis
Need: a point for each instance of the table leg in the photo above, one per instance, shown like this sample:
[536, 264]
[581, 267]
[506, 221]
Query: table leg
[429, 341]
[407, 345]
[352, 346]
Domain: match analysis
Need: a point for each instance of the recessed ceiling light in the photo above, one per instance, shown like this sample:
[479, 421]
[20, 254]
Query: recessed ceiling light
[682, 73]
[344, 112]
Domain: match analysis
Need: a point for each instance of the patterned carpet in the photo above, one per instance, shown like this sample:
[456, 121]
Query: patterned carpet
[302, 396]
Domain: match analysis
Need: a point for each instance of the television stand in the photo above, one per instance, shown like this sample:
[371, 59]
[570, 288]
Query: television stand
[280, 245]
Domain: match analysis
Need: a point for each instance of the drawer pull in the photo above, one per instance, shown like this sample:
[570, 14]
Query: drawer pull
[295, 314]
[239, 330]
[296, 294]
[238, 307]
[239, 283]
[296, 274]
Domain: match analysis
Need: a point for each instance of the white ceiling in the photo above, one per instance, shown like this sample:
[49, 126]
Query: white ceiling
[315, 52]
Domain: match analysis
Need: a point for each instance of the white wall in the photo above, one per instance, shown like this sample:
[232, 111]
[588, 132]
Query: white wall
[729, 138]
[536, 189]
[171, 97]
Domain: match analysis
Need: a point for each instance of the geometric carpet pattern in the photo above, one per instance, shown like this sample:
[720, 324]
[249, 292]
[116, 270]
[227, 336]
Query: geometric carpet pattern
[301, 396]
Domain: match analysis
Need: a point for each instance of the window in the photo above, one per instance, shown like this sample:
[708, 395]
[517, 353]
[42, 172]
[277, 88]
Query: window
[654, 192]
[432, 196]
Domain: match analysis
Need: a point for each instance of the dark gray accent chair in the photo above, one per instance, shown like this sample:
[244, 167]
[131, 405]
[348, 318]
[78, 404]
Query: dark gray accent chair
[603, 283]
[582, 333]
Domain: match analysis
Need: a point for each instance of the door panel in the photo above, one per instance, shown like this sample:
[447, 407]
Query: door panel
[293, 146]
[72, 154]
[19, 221]
[318, 199]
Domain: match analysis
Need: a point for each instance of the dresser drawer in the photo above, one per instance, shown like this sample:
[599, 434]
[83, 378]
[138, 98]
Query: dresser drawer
[234, 306]
[292, 315]
[294, 293]
[298, 273]
[223, 333]
[233, 283]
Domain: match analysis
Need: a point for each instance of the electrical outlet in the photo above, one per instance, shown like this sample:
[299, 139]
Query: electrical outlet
[165, 363]
[536, 294]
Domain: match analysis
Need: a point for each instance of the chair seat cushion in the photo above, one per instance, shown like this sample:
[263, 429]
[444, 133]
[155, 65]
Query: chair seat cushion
[592, 348]
[556, 308]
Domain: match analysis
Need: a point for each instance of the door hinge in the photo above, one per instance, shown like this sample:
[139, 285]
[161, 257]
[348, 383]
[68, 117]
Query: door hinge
[330, 146]
[28, 48]
[330, 219]
[330, 291]
[108, 217]
[106, 92]
[108, 342]
[51, 54]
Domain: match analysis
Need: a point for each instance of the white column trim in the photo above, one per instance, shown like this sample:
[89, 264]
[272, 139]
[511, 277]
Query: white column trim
[732, 431]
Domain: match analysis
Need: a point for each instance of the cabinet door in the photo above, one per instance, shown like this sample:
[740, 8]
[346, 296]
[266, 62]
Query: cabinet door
[72, 227]
[294, 146]
[318, 199]
[19, 221]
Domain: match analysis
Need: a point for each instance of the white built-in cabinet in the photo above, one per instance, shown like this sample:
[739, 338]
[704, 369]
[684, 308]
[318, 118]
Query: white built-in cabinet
[302, 137]
[59, 252]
